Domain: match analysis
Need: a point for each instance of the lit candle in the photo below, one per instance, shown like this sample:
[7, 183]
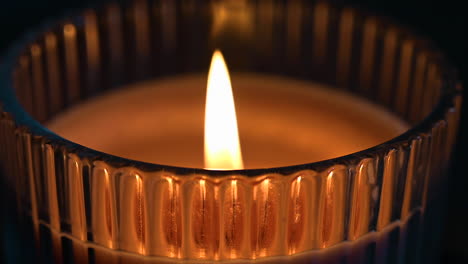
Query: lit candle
[281, 121]
[91, 207]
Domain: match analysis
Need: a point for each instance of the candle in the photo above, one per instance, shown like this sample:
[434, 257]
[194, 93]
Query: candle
[281, 121]
[81, 204]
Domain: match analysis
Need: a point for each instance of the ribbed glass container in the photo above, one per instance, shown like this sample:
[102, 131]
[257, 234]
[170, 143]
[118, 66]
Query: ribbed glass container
[71, 204]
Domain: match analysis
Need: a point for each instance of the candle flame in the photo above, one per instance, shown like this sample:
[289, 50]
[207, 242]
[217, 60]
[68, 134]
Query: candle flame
[222, 147]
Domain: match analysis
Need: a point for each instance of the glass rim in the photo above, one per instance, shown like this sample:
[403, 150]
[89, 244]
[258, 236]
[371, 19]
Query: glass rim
[10, 104]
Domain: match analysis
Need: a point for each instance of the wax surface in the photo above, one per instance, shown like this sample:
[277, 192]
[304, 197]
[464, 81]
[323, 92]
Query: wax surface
[281, 121]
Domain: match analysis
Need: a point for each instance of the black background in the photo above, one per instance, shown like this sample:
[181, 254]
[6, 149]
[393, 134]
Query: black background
[443, 21]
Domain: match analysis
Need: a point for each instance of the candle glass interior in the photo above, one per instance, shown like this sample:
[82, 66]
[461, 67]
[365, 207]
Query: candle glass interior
[282, 122]
[97, 207]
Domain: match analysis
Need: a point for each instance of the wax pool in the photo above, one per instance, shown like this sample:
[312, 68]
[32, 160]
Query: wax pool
[281, 121]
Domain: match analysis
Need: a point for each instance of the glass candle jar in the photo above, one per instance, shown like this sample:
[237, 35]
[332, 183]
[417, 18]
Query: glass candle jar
[70, 203]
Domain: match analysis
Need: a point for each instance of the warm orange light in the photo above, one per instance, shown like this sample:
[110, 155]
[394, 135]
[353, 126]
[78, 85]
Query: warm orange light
[222, 147]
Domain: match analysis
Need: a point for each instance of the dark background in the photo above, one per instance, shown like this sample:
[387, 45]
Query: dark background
[443, 21]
